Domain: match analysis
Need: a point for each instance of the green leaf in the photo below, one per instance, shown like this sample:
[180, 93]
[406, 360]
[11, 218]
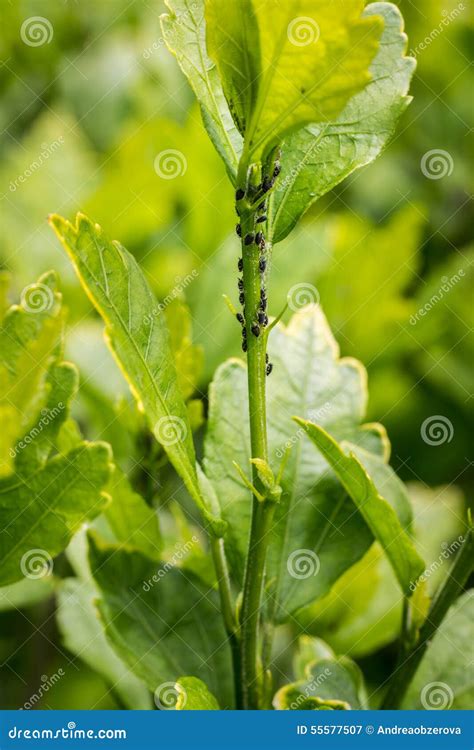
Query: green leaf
[443, 679]
[162, 622]
[40, 438]
[26, 593]
[315, 522]
[184, 33]
[29, 335]
[232, 37]
[319, 156]
[286, 64]
[188, 357]
[138, 338]
[379, 515]
[329, 683]
[362, 612]
[83, 635]
[131, 520]
[40, 512]
[193, 695]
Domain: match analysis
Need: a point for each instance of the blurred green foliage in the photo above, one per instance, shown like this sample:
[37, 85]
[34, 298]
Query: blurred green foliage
[85, 117]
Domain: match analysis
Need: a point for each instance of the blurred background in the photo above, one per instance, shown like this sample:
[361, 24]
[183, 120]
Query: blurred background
[89, 105]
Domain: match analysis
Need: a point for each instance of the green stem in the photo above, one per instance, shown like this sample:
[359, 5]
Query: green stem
[445, 597]
[262, 512]
[228, 611]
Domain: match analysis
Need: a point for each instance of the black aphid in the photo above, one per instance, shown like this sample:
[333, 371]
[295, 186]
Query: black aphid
[241, 298]
[240, 318]
[277, 169]
[240, 264]
[261, 317]
[269, 368]
[244, 332]
[261, 219]
[249, 238]
[267, 184]
[258, 238]
[262, 245]
[255, 329]
[262, 206]
[244, 345]
[262, 264]
[238, 230]
[239, 194]
[240, 284]
[266, 358]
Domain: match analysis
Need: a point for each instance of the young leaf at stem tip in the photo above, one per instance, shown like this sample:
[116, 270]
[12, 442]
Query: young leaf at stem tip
[286, 64]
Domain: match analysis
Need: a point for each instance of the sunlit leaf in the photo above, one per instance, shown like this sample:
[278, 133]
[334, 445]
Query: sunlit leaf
[318, 156]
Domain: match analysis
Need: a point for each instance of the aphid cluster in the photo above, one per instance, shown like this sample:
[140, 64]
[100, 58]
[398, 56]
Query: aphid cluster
[257, 237]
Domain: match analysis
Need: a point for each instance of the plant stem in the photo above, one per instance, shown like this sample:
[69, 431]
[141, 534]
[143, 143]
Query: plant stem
[228, 612]
[262, 512]
[445, 597]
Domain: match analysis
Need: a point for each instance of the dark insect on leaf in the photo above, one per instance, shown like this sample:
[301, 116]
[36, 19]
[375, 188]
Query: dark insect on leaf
[244, 345]
[239, 194]
[240, 318]
[262, 206]
[238, 230]
[258, 238]
[269, 368]
[241, 298]
[261, 219]
[267, 184]
[244, 332]
[261, 318]
[277, 169]
[255, 329]
[240, 265]
[240, 284]
[249, 238]
[262, 264]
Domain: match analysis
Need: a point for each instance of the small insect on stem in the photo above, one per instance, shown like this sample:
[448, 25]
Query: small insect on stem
[259, 238]
[249, 238]
[255, 330]
[240, 284]
[238, 230]
[239, 194]
[261, 219]
[242, 298]
[262, 264]
[269, 368]
[240, 265]
[240, 318]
